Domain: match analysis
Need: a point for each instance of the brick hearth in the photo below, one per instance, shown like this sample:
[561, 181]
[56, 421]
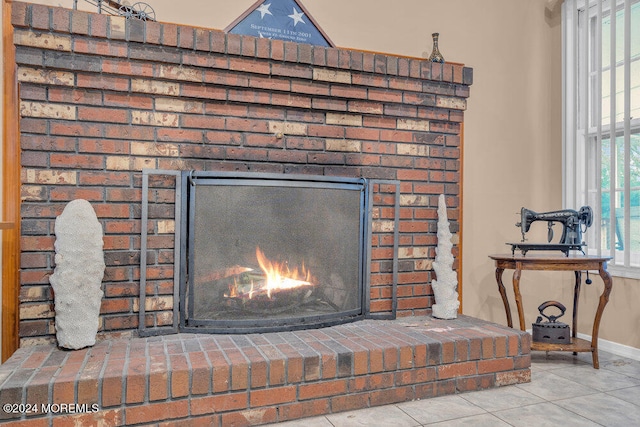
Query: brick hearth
[245, 380]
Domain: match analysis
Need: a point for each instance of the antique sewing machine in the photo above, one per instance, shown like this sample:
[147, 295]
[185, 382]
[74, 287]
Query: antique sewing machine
[572, 229]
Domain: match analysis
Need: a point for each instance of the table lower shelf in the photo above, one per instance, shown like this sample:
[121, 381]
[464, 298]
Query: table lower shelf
[576, 345]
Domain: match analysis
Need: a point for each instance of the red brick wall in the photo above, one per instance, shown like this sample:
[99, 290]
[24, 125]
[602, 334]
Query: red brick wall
[102, 98]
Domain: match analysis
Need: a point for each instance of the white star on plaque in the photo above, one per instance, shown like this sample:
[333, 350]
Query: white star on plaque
[297, 17]
[264, 10]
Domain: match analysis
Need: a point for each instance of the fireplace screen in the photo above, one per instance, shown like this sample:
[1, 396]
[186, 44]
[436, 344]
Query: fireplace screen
[272, 252]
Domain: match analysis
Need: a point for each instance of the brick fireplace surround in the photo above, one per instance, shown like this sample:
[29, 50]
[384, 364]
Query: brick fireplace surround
[102, 98]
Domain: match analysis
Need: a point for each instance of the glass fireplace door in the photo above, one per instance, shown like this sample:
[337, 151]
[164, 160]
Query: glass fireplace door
[273, 252]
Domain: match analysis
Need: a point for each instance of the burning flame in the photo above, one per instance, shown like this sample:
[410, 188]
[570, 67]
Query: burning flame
[279, 276]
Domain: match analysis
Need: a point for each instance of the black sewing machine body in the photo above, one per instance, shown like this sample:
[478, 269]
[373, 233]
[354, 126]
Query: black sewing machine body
[572, 229]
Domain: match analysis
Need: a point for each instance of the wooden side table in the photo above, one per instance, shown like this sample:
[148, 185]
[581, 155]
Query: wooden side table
[546, 262]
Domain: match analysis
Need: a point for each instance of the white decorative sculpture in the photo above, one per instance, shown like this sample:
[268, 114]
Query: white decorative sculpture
[77, 278]
[445, 287]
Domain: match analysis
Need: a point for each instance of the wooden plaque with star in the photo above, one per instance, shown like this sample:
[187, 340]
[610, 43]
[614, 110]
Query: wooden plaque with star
[280, 20]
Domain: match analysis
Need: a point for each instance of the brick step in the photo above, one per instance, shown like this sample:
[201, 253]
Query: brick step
[260, 378]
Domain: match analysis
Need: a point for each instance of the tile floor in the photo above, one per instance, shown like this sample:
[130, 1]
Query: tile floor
[564, 391]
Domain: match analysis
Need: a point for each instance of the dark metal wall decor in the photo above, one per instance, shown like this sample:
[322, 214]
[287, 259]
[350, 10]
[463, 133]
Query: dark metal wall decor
[137, 10]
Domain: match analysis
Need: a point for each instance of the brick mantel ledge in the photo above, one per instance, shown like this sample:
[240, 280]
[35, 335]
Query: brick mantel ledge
[261, 378]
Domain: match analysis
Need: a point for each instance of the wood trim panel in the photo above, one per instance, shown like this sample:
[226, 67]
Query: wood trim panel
[10, 191]
[460, 221]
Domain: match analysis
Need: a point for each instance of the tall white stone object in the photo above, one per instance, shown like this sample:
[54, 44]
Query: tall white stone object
[77, 278]
[446, 284]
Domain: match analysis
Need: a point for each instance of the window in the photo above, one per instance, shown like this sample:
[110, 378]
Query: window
[601, 80]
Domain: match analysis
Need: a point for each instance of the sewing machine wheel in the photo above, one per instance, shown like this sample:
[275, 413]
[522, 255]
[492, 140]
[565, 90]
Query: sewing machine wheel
[587, 213]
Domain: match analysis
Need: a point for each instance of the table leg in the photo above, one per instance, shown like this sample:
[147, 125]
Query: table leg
[503, 294]
[604, 299]
[576, 296]
[516, 290]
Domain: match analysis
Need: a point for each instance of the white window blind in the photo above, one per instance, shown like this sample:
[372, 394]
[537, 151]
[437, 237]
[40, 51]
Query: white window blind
[601, 81]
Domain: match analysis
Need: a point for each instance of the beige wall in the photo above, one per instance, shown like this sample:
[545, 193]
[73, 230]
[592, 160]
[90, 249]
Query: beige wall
[1, 152]
[512, 146]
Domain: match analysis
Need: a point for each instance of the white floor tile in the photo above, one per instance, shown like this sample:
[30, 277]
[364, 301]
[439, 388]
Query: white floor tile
[604, 409]
[389, 415]
[307, 422]
[501, 398]
[551, 387]
[440, 409]
[598, 379]
[631, 394]
[623, 366]
[543, 415]
[484, 420]
[541, 360]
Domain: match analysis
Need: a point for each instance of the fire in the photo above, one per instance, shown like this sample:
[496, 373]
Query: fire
[279, 276]
[275, 277]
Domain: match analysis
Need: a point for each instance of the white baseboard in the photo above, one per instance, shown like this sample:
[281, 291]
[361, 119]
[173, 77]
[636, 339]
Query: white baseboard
[612, 347]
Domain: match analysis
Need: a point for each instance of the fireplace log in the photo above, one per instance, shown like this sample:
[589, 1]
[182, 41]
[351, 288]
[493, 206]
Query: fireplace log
[260, 302]
[216, 275]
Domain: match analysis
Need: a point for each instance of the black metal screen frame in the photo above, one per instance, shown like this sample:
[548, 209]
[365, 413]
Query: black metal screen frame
[143, 329]
[387, 315]
[190, 180]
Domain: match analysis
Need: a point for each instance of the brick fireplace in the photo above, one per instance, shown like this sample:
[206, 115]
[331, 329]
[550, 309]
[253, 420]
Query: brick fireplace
[103, 99]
